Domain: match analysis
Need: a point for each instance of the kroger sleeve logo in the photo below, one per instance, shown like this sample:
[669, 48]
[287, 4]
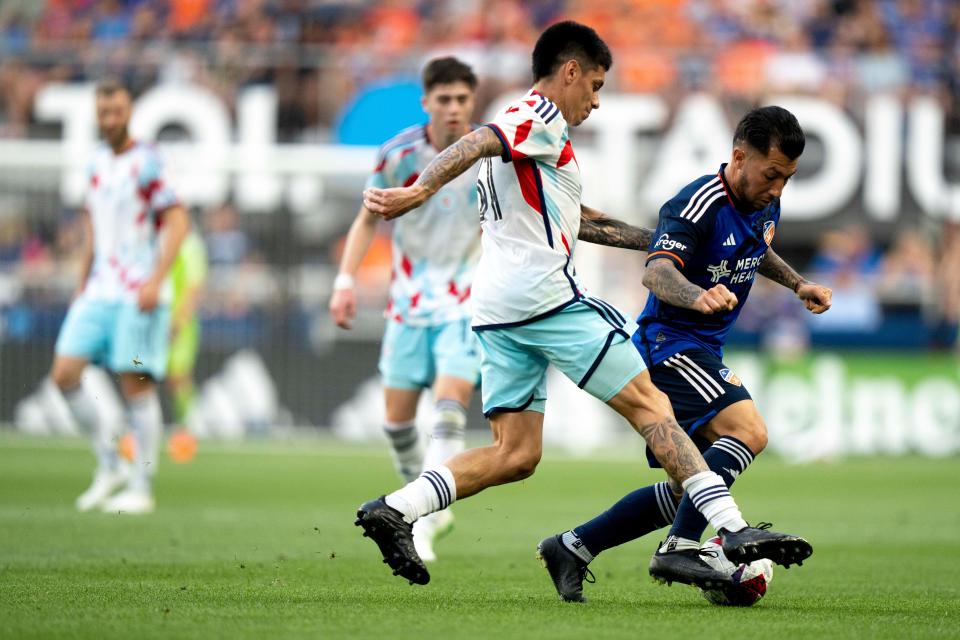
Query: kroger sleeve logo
[664, 242]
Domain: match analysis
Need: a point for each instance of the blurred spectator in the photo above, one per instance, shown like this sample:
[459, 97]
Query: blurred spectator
[948, 285]
[847, 262]
[907, 271]
[226, 243]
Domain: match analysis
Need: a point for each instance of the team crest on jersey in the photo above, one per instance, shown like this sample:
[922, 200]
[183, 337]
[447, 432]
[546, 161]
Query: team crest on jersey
[769, 228]
[730, 376]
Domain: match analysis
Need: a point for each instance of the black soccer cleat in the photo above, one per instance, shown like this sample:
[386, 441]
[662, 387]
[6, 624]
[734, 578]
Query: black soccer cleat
[754, 543]
[566, 570]
[687, 567]
[386, 526]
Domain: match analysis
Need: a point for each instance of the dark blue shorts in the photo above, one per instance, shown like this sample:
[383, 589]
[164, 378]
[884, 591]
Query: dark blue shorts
[699, 386]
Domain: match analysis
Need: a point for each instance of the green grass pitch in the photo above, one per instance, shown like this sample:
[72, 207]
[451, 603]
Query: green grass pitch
[258, 541]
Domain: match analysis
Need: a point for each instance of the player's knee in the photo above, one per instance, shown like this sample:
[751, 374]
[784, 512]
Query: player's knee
[647, 404]
[521, 464]
[64, 377]
[754, 435]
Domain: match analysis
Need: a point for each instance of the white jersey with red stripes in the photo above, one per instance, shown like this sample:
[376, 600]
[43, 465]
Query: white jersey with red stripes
[530, 217]
[435, 247]
[126, 198]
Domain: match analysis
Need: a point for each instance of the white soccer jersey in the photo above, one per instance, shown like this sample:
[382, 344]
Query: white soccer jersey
[126, 198]
[530, 216]
[435, 247]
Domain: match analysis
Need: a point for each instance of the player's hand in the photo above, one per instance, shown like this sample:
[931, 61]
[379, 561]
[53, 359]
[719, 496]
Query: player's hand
[343, 307]
[715, 300]
[817, 298]
[149, 295]
[393, 203]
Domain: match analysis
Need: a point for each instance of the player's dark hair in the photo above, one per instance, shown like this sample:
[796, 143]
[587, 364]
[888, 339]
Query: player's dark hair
[447, 71]
[110, 85]
[569, 41]
[772, 126]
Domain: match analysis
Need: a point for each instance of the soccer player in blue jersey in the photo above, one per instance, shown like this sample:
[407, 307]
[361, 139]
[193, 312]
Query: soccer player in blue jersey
[712, 239]
[530, 310]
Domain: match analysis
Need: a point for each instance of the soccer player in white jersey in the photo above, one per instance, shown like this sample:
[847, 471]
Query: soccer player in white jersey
[531, 311]
[428, 341]
[120, 316]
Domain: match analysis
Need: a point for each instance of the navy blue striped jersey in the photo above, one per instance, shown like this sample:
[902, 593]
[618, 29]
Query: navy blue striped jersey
[712, 241]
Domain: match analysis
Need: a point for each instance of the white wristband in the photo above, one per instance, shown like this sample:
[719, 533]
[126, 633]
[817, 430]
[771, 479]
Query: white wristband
[343, 281]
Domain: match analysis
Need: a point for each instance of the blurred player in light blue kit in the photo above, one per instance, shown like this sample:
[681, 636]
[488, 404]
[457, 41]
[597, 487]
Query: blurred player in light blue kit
[120, 317]
[428, 341]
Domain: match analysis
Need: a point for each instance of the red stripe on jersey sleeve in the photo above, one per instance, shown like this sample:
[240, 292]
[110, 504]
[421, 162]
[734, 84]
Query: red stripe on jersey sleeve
[411, 179]
[523, 131]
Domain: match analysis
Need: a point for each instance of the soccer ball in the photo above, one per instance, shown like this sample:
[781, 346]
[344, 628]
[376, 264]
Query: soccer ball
[749, 580]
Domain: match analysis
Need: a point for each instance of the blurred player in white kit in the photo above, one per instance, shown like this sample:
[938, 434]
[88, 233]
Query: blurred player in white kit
[428, 341]
[120, 316]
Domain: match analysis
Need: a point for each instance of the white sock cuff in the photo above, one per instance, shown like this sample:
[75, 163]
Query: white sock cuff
[701, 481]
[398, 426]
[146, 401]
[451, 410]
[442, 477]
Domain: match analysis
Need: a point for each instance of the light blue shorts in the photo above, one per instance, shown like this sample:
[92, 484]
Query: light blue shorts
[413, 357]
[588, 341]
[117, 335]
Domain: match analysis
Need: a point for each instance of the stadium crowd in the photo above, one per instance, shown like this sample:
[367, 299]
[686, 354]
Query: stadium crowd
[319, 54]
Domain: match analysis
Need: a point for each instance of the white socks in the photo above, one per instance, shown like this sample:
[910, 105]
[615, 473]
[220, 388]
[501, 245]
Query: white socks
[405, 448]
[434, 490]
[712, 498]
[146, 420]
[449, 433]
[85, 413]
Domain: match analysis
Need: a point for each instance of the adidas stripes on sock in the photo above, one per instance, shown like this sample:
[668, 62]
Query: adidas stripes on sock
[634, 515]
[728, 457]
[434, 490]
[449, 433]
[405, 449]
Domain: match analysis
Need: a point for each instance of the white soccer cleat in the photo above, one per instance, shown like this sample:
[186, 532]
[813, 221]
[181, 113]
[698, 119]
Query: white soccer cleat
[104, 483]
[428, 529]
[130, 502]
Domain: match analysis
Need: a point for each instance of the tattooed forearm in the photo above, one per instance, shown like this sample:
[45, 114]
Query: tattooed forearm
[599, 229]
[774, 267]
[459, 157]
[673, 449]
[669, 285]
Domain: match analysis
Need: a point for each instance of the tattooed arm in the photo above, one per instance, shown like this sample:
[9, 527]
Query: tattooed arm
[454, 160]
[667, 283]
[817, 298]
[600, 229]
[774, 267]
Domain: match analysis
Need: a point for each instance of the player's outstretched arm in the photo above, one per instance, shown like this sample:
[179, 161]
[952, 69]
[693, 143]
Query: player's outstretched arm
[817, 298]
[343, 302]
[454, 160]
[667, 283]
[597, 228]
